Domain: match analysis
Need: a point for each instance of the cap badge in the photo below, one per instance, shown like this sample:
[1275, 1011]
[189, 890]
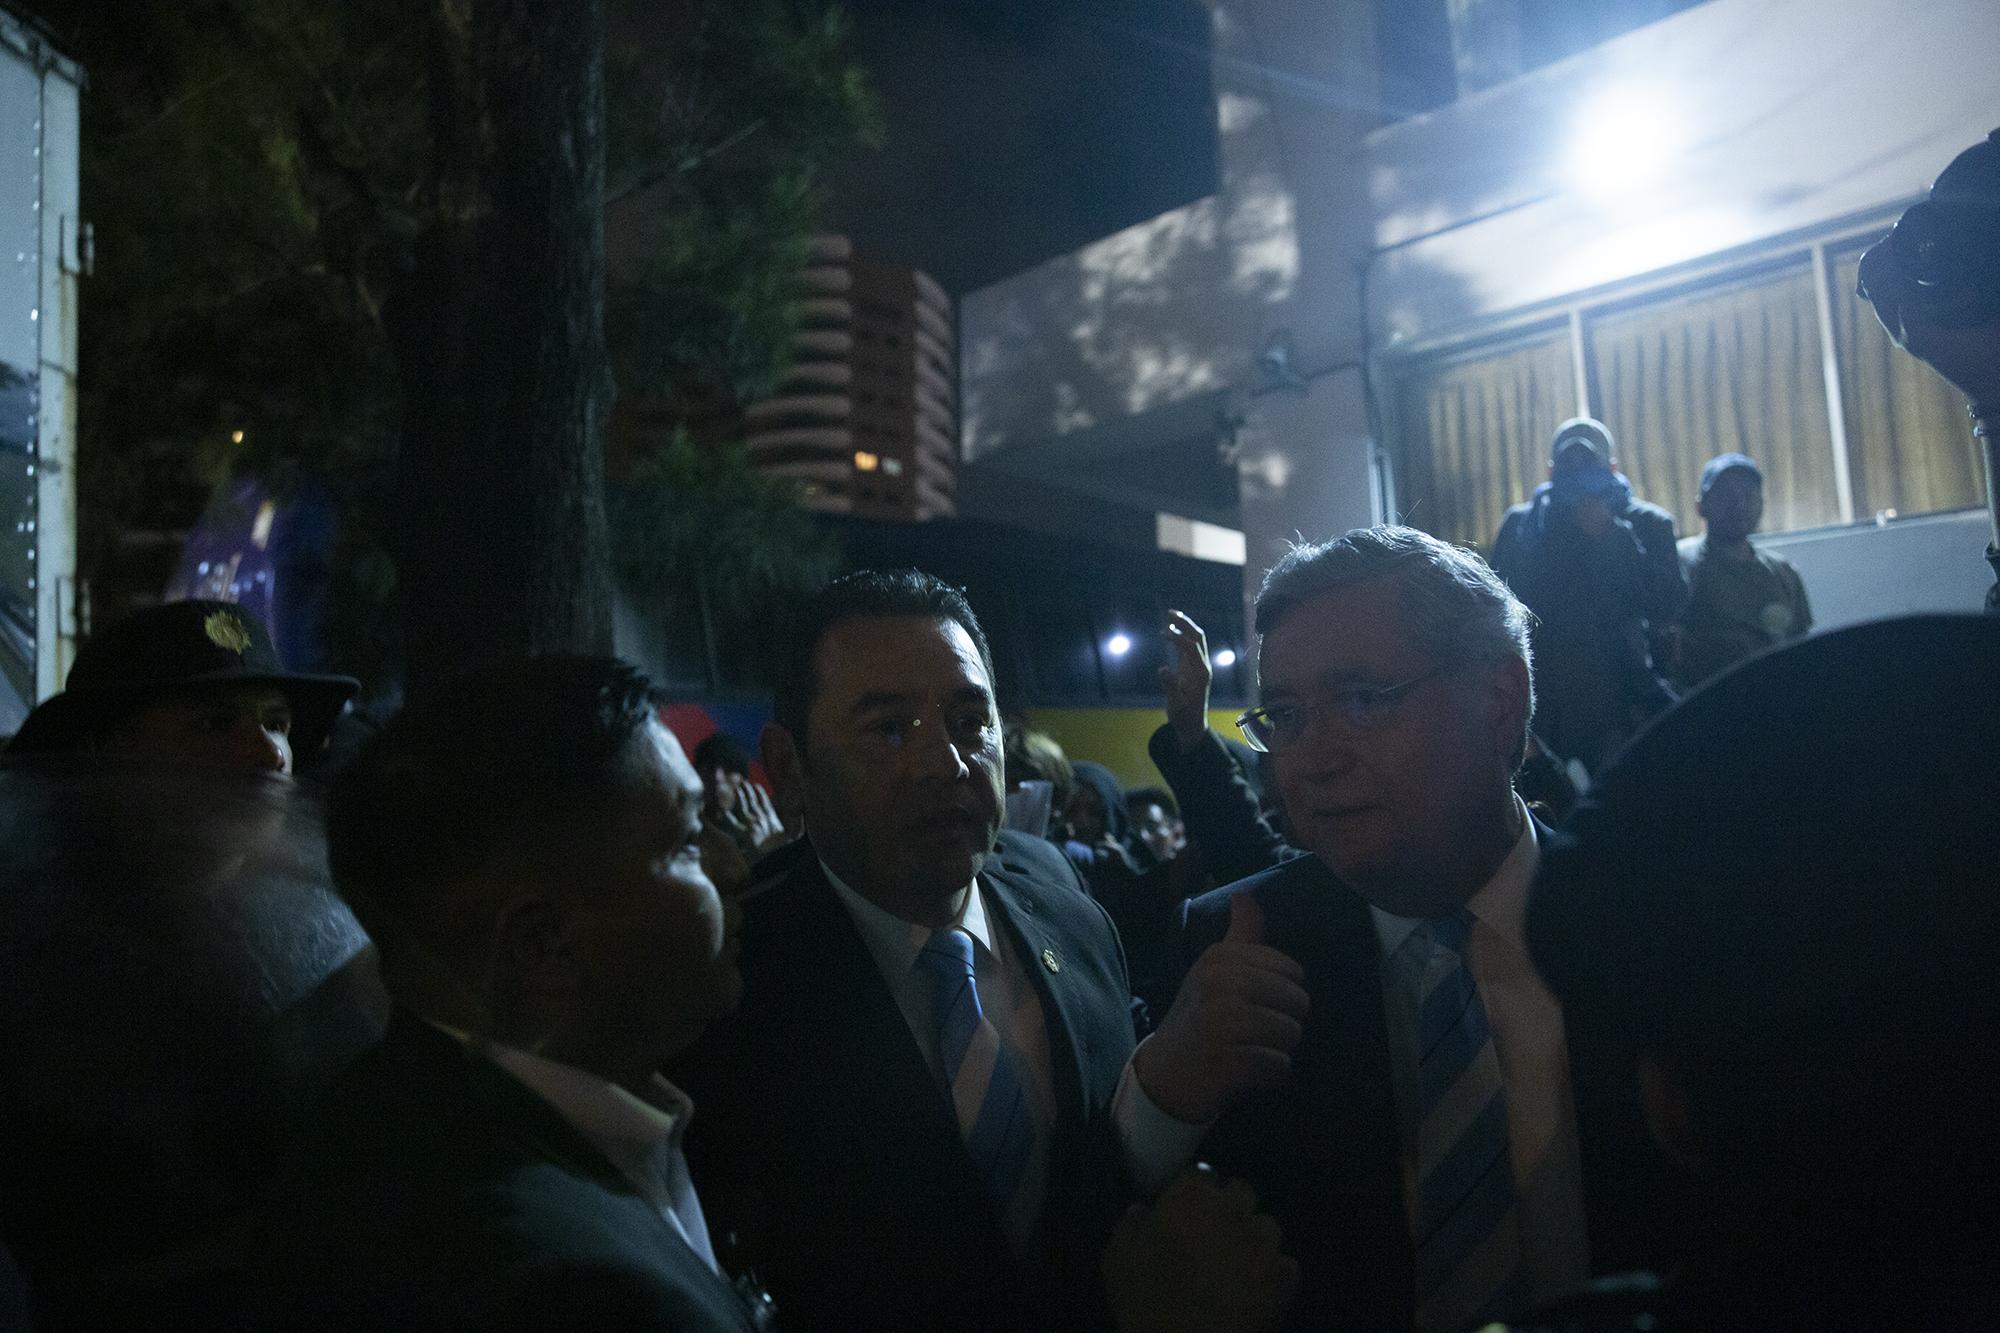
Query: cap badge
[226, 630]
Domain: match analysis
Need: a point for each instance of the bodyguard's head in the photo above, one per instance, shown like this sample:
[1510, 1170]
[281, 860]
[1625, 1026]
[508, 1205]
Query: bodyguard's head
[521, 844]
[885, 717]
[1396, 701]
[1786, 895]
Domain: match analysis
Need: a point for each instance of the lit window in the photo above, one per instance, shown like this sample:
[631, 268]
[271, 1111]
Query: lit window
[865, 461]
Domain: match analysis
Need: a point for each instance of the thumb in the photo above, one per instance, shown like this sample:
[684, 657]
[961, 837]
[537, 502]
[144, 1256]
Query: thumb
[1246, 919]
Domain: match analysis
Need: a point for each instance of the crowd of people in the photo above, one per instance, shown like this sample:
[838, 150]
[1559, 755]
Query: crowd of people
[939, 1028]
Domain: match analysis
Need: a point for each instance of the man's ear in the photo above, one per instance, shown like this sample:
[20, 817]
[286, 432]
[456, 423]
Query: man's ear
[1667, 1113]
[785, 767]
[1511, 699]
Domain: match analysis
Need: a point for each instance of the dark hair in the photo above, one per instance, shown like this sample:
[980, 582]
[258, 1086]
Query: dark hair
[1138, 798]
[722, 751]
[1786, 889]
[867, 592]
[472, 761]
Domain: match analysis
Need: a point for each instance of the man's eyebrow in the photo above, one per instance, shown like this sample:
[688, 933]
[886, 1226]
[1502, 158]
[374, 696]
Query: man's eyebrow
[878, 699]
[972, 694]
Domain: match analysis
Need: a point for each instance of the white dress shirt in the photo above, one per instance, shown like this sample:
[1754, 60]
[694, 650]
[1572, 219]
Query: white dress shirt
[1006, 996]
[1529, 1039]
[641, 1136]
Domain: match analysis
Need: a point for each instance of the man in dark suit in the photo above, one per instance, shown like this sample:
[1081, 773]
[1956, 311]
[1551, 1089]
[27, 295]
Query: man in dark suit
[909, 1123]
[523, 847]
[1437, 1142]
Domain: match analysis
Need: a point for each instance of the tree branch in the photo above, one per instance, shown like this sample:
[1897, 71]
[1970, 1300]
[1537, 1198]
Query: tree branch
[646, 180]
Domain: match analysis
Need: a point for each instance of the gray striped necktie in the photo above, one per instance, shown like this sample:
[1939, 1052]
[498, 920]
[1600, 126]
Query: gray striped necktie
[1468, 1234]
[986, 1092]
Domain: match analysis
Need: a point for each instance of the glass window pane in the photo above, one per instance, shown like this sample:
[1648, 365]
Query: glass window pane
[1730, 369]
[1473, 432]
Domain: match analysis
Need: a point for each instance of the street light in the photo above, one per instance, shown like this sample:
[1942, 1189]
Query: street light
[1225, 657]
[1118, 644]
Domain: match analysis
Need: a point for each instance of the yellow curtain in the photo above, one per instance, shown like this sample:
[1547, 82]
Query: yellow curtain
[1735, 369]
[1473, 433]
[1911, 446]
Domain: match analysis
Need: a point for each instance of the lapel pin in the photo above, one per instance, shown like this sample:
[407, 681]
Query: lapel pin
[1050, 961]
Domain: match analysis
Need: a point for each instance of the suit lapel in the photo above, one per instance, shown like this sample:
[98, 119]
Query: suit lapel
[1019, 903]
[839, 997]
[857, 1046]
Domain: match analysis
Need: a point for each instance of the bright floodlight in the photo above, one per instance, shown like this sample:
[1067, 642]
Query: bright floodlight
[1623, 140]
[1225, 657]
[1118, 645]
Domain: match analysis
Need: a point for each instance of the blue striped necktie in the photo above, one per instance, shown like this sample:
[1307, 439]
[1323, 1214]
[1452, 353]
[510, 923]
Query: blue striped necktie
[985, 1088]
[1468, 1230]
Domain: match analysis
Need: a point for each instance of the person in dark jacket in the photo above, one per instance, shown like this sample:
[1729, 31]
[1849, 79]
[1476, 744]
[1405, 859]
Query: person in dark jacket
[523, 847]
[1360, 1035]
[912, 955]
[1804, 973]
[1602, 574]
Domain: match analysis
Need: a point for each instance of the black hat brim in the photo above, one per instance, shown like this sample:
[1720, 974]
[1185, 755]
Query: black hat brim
[63, 721]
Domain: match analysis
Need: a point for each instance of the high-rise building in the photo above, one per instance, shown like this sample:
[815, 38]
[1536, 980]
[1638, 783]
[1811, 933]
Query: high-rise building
[868, 416]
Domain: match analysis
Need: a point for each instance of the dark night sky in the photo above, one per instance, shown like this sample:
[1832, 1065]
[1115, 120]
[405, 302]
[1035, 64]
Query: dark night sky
[1019, 130]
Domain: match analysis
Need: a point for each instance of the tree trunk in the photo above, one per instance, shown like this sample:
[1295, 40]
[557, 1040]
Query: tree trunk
[499, 337]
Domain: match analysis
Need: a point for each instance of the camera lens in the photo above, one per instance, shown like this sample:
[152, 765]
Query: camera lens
[1922, 249]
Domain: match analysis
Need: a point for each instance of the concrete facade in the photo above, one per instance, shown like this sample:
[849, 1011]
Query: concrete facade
[1780, 119]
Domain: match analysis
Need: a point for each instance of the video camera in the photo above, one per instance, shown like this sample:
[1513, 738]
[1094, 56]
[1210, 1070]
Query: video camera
[1944, 254]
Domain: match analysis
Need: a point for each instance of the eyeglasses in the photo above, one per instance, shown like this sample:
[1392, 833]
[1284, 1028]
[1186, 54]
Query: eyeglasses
[1276, 727]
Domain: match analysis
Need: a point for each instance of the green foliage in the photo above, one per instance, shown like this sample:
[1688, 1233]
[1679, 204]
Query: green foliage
[715, 180]
[700, 509]
[717, 175]
[256, 171]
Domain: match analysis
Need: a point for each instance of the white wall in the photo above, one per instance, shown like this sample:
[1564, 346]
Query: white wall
[1794, 114]
[1933, 563]
[1110, 338]
[1789, 114]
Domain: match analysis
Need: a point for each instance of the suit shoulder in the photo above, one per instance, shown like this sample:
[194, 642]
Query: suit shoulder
[1040, 867]
[1026, 853]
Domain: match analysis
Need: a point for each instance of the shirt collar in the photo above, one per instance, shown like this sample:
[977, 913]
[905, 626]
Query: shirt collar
[895, 942]
[1501, 903]
[623, 1125]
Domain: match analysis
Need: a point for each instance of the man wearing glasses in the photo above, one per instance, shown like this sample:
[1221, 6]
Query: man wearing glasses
[1362, 1036]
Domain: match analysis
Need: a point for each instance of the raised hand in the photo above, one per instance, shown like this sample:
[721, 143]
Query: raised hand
[1232, 1028]
[1185, 680]
[1201, 1259]
[760, 818]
